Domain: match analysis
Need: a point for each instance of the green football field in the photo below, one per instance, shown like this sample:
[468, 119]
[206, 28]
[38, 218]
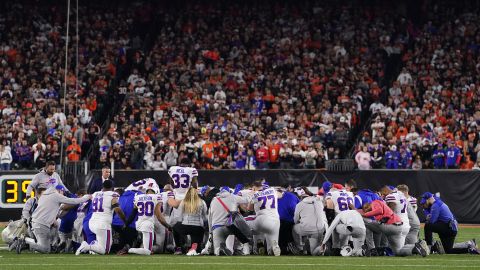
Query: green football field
[29, 261]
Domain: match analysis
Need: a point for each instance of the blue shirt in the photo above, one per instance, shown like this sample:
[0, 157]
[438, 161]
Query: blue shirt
[66, 226]
[440, 212]
[286, 206]
[365, 196]
[452, 155]
[126, 204]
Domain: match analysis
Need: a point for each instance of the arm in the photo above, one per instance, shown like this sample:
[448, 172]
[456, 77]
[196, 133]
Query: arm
[32, 184]
[131, 217]
[161, 218]
[118, 210]
[296, 215]
[27, 207]
[435, 212]
[331, 228]
[65, 200]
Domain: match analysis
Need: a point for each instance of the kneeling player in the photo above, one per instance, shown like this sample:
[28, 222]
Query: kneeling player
[146, 206]
[348, 223]
[103, 204]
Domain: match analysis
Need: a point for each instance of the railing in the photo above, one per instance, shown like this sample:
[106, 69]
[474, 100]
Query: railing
[340, 165]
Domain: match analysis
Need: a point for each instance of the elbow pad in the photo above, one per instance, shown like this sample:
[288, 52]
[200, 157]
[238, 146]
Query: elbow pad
[330, 213]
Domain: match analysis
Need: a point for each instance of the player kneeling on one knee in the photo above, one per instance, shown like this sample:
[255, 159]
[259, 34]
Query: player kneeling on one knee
[391, 226]
[104, 203]
[348, 223]
[147, 207]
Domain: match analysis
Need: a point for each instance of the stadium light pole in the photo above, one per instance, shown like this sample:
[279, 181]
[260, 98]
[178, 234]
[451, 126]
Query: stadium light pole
[65, 86]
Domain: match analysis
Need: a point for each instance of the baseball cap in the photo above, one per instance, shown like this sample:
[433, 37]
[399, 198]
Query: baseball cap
[326, 187]
[225, 188]
[427, 195]
[238, 188]
[60, 187]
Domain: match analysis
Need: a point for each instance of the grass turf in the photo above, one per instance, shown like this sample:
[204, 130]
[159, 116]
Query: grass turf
[11, 261]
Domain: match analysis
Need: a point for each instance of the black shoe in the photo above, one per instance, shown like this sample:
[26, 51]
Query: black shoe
[224, 251]
[261, 250]
[293, 249]
[420, 250]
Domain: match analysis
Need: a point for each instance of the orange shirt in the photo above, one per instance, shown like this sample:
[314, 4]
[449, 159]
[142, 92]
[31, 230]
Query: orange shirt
[207, 149]
[274, 150]
[74, 152]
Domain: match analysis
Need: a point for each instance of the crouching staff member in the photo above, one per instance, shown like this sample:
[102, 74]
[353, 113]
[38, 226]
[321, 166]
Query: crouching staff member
[193, 212]
[217, 218]
[310, 221]
[441, 220]
[45, 216]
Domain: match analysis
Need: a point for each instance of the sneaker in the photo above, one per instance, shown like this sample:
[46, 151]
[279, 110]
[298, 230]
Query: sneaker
[276, 248]
[261, 248]
[224, 251]
[81, 248]
[193, 250]
[438, 247]
[472, 247]
[293, 249]
[13, 245]
[420, 249]
[205, 251]
[424, 245]
[178, 251]
[246, 249]
[124, 250]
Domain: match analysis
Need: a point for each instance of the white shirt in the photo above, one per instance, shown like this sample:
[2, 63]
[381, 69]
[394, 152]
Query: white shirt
[102, 208]
[265, 202]
[348, 217]
[341, 199]
[144, 184]
[145, 204]
[400, 205]
[182, 179]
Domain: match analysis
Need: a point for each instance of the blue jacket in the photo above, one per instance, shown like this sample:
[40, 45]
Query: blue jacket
[287, 205]
[439, 212]
[126, 204]
[66, 226]
[97, 185]
[392, 159]
[438, 159]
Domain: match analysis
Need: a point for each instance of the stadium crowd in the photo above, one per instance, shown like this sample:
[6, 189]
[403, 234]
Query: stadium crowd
[430, 116]
[32, 62]
[237, 87]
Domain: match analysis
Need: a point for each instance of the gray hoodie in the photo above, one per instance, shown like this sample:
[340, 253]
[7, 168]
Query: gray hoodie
[310, 215]
[42, 179]
[49, 204]
[218, 215]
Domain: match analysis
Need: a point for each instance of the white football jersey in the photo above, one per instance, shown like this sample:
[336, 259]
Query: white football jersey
[182, 179]
[413, 202]
[265, 202]
[166, 209]
[145, 204]
[102, 212]
[400, 202]
[144, 184]
[341, 199]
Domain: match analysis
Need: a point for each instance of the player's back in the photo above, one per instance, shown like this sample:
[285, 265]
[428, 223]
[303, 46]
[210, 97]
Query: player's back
[143, 185]
[265, 202]
[400, 202]
[102, 212]
[341, 199]
[182, 179]
[145, 204]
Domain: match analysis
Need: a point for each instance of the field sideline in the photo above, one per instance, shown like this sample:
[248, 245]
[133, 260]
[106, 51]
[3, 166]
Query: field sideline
[10, 261]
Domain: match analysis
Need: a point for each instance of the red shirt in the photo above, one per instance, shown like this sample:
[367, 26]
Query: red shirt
[274, 150]
[262, 154]
[380, 210]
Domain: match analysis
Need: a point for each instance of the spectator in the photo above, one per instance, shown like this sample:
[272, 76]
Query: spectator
[453, 156]
[74, 151]
[171, 157]
[363, 159]
[5, 158]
